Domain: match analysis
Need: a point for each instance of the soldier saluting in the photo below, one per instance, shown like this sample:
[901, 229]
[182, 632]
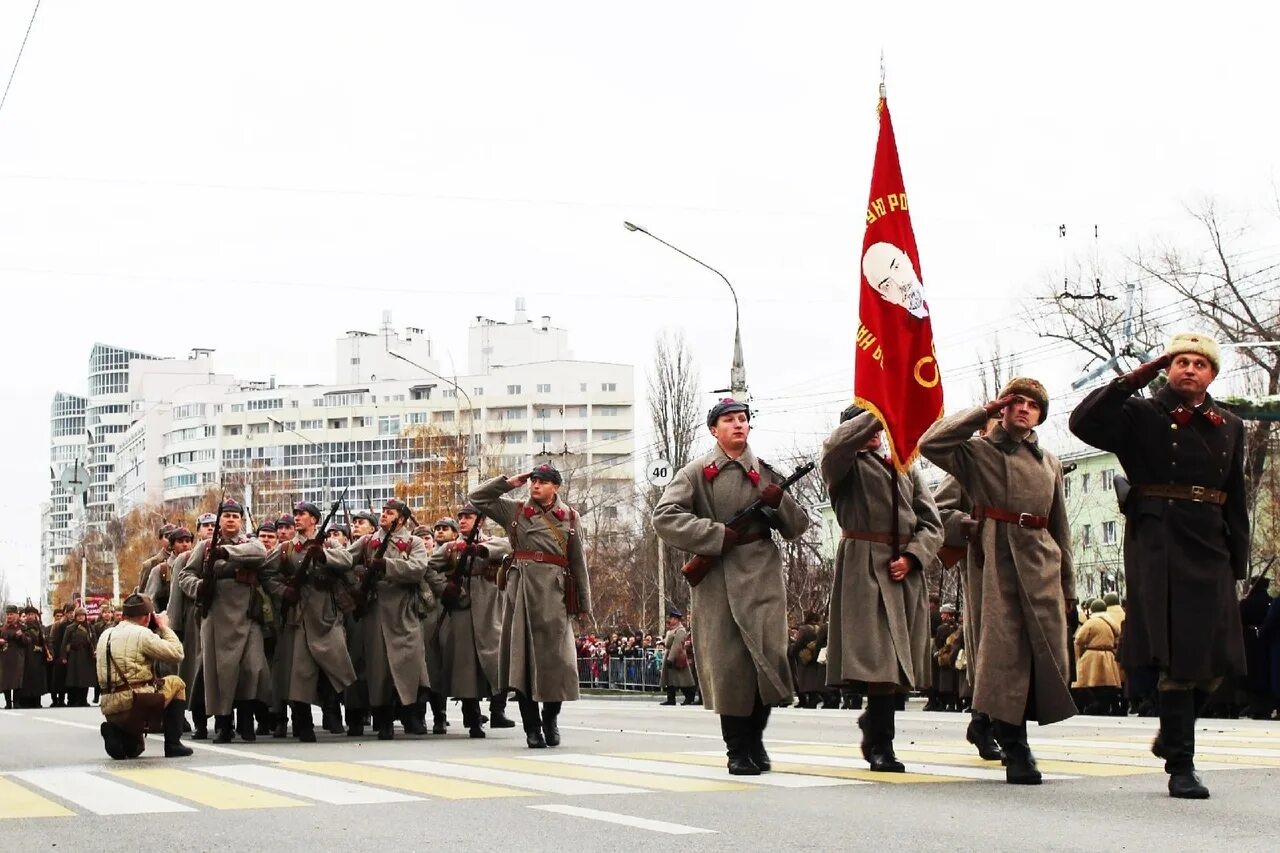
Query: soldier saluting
[1186, 538]
[741, 606]
[547, 584]
[879, 633]
[1023, 546]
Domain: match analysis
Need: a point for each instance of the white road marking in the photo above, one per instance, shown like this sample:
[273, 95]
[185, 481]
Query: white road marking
[98, 794]
[196, 745]
[625, 820]
[326, 790]
[696, 771]
[513, 778]
[1241, 751]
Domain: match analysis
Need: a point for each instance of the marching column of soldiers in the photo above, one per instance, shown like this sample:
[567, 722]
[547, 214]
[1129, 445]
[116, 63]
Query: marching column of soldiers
[389, 617]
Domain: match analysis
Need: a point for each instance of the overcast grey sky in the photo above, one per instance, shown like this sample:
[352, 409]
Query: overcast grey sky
[259, 177]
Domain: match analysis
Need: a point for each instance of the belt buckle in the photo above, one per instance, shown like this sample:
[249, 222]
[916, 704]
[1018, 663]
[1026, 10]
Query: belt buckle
[1197, 493]
[1023, 518]
[537, 556]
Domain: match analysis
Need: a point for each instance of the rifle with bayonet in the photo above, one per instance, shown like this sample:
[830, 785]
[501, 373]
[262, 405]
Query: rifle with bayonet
[295, 581]
[698, 566]
[375, 569]
[208, 587]
[461, 575]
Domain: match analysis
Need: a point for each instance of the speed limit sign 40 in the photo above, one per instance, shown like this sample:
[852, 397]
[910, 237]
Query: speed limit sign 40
[660, 473]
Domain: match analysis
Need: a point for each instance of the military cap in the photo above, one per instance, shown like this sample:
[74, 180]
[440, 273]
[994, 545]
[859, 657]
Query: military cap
[1195, 343]
[11, 608]
[947, 608]
[207, 518]
[1111, 599]
[546, 472]
[179, 533]
[285, 521]
[850, 412]
[341, 528]
[137, 604]
[424, 532]
[469, 509]
[726, 406]
[399, 506]
[307, 507]
[1028, 387]
[367, 515]
[674, 613]
[231, 505]
[267, 527]
[30, 608]
[80, 611]
[1098, 606]
[447, 522]
[166, 529]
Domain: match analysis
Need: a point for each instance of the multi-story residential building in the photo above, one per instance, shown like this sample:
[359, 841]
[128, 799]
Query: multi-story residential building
[68, 443]
[107, 414]
[390, 412]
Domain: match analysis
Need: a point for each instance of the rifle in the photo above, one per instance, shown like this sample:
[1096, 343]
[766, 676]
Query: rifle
[298, 578]
[208, 582]
[698, 566]
[464, 570]
[368, 591]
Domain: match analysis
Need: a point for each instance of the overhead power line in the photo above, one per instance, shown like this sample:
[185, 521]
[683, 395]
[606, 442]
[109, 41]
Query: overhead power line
[18, 58]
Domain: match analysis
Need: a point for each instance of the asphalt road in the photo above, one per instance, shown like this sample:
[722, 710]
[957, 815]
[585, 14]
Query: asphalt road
[631, 776]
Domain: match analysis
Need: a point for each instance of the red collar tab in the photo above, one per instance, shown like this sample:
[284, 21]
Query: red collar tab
[754, 476]
[1181, 415]
[710, 472]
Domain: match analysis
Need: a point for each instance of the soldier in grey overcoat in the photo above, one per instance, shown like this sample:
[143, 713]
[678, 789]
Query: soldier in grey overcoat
[471, 631]
[677, 670]
[236, 675]
[13, 655]
[741, 605]
[547, 584]
[878, 637]
[184, 616]
[389, 624]
[1186, 539]
[314, 580]
[1023, 545]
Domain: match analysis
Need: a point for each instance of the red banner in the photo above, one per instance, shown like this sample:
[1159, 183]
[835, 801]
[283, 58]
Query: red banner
[896, 372]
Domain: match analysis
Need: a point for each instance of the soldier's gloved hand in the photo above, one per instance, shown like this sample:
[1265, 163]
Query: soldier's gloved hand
[220, 553]
[378, 564]
[730, 540]
[204, 587]
[316, 551]
[290, 595]
[452, 592]
[772, 495]
[969, 527]
[480, 552]
[995, 407]
[1141, 377]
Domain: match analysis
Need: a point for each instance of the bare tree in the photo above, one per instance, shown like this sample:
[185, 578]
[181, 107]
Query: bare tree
[995, 370]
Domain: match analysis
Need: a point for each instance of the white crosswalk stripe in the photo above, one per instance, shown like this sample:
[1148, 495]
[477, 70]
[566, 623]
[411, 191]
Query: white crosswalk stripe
[98, 794]
[333, 791]
[694, 771]
[993, 774]
[546, 784]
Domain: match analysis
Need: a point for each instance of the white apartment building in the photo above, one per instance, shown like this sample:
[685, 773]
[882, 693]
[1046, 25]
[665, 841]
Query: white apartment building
[59, 526]
[187, 428]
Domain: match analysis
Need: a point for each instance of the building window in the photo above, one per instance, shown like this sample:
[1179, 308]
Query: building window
[260, 405]
[513, 389]
[1066, 486]
[543, 413]
[388, 424]
[362, 421]
[1084, 484]
[258, 429]
[355, 360]
[1108, 533]
[444, 417]
[582, 386]
[416, 418]
[448, 392]
[237, 407]
[544, 387]
[1108, 475]
[1086, 535]
[542, 436]
[337, 423]
[479, 392]
[312, 424]
[231, 430]
[608, 386]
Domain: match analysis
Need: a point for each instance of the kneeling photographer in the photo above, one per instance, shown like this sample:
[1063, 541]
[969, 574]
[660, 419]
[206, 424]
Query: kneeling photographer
[134, 701]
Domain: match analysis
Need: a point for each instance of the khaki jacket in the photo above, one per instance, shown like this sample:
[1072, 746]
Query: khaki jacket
[134, 649]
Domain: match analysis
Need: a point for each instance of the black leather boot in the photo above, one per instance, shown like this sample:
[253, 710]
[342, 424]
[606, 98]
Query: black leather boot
[877, 734]
[280, 724]
[736, 732]
[498, 718]
[355, 722]
[532, 721]
[550, 723]
[471, 717]
[174, 716]
[1177, 744]
[979, 734]
[223, 727]
[384, 722]
[113, 738]
[671, 697]
[755, 748]
[1019, 765]
[262, 714]
[244, 722]
[439, 713]
[688, 696]
[304, 727]
[413, 718]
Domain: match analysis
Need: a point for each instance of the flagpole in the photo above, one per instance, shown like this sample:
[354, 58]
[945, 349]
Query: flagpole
[882, 90]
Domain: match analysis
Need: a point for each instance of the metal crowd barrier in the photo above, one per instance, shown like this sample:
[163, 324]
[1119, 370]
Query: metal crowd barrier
[641, 673]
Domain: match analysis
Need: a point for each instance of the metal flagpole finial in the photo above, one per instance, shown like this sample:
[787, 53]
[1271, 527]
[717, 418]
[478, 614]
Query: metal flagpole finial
[882, 90]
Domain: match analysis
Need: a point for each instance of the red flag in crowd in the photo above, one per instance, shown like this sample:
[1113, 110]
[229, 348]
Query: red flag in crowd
[896, 372]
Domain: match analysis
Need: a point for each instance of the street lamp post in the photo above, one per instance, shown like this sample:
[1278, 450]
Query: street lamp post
[737, 373]
[471, 414]
[327, 480]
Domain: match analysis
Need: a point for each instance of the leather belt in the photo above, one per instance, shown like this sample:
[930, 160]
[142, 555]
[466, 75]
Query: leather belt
[878, 538]
[1176, 492]
[542, 557]
[1022, 519]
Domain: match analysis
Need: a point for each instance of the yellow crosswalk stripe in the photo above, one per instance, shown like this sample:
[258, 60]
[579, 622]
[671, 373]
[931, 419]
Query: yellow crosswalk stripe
[600, 774]
[404, 780]
[17, 802]
[206, 790]
[920, 751]
[805, 769]
[1143, 751]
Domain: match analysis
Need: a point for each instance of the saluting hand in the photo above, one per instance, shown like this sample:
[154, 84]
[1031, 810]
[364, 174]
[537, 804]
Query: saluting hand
[997, 406]
[519, 480]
